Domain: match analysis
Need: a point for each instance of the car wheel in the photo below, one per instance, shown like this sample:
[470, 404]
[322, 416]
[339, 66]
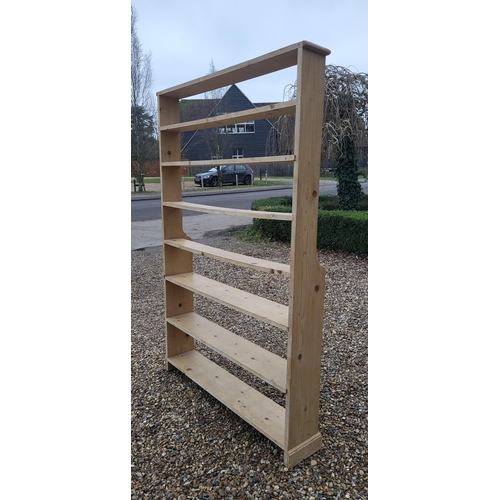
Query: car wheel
[247, 180]
[215, 181]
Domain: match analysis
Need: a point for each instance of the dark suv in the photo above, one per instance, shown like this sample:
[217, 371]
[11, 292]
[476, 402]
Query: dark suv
[229, 173]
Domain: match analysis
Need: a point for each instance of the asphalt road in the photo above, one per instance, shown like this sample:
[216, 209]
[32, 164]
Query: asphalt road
[144, 210]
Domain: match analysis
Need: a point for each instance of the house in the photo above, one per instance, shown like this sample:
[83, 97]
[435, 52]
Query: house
[239, 140]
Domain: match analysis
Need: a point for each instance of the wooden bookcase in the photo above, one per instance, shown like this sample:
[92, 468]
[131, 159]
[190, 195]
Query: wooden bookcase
[293, 428]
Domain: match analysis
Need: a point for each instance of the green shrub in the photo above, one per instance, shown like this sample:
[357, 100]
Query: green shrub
[346, 231]
[331, 202]
[337, 230]
[274, 229]
[281, 201]
[363, 203]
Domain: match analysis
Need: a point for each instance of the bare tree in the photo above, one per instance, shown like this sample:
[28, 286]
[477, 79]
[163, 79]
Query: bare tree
[144, 130]
[217, 142]
[345, 128]
[216, 94]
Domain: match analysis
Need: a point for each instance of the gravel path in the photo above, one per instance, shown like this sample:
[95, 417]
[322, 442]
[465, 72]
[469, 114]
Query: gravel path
[186, 445]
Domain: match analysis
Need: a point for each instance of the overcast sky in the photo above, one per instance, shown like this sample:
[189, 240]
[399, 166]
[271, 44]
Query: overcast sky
[185, 36]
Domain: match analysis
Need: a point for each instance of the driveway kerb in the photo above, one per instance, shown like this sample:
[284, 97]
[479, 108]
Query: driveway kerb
[149, 233]
[211, 193]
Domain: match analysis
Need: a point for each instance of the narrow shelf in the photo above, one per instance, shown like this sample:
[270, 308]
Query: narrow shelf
[262, 112]
[263, 65]
[247, 303]
[259, 160]
[254, 214]
[231, 257]
[262, 363]
[258, 410]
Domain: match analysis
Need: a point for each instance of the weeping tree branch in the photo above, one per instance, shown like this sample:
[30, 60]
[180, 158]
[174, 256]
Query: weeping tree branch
[345, 119]
[345, 128]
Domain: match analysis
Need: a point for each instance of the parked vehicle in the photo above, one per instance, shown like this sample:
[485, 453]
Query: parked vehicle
[229, 173]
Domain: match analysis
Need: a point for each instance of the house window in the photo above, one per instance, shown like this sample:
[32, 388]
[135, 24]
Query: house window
[239, 128]
[238, 153]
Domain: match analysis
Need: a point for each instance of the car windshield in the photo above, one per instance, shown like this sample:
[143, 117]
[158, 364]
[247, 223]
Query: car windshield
[213, 169]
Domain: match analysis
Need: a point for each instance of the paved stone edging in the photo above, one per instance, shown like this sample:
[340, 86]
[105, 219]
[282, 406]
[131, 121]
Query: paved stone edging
[149, 233]
[210, 193]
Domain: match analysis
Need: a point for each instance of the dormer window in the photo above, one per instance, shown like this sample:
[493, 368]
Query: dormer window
[239, 128]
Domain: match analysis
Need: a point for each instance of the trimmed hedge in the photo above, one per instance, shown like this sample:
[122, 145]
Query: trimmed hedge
[345, 231]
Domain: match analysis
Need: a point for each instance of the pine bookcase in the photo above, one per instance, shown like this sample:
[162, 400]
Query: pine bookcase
[294, 428]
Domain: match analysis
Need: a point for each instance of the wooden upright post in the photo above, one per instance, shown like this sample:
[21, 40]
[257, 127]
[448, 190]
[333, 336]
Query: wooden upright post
[178, 300]
[307, 277]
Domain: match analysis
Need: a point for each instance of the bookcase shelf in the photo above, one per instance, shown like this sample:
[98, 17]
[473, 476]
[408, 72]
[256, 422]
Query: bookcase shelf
[258, 307]
[270, 111]
[261, 160]
[262, 363]
[263, 265]
[258, 410]
[294, 427]
[228, 211]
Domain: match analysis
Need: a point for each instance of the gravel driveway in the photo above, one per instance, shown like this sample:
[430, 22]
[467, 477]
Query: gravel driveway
[186, 445]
